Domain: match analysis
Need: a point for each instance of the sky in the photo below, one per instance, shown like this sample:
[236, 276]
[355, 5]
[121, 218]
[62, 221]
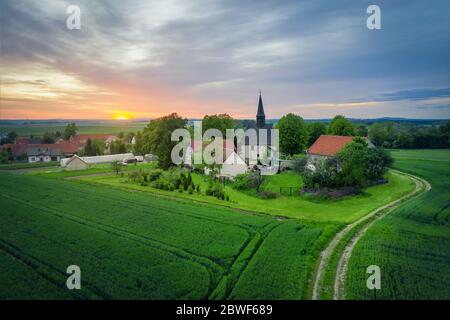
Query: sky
[145, 59]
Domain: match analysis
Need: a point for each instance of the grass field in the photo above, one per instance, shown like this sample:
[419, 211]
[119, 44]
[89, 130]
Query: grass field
[40, 129]
[26, 165]
[136, 245]
[411, 245]
[337, 211]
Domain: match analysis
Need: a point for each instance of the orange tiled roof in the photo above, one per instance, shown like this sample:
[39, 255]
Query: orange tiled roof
[328, 145]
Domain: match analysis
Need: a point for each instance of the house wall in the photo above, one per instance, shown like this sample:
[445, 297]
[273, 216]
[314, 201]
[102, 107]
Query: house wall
[33, 159]
[232, 170]
[76, 164]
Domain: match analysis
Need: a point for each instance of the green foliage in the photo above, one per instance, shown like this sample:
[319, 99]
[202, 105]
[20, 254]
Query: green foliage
[316, 129]
[391, 135]
[247, 181]
[116, 166]
[118, 147]
[48, 137]
[70, 130]
[293, 134]
[156, 138]
[222, 122]
[353, 165]
[341, 126]
[94, 148]
[378, 160]
[362, 131]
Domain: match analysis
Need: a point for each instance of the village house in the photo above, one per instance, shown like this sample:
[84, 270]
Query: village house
[43, 153]
[327, 146]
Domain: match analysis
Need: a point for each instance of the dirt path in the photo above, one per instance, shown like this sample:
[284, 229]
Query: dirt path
[343, 261]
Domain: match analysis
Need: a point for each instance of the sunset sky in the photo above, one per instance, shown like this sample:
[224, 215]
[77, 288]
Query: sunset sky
[144, 59]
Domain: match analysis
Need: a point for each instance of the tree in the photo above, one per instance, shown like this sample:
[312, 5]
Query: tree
[221, 122]
[316, 129]
[118, 147]
[138, 147]
[340, 126]
[377, 134]
[353, 164]
[116, 166]
[94, 148]
[293, 134]
[156, 138]
[377, 162]
[70, 130]
[4, 156]
[48, 138]
[362, 131]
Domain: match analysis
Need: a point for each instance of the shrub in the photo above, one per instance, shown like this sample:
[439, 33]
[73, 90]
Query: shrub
[269, 194]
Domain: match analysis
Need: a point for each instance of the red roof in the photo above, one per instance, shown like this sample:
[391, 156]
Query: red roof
[328, 145]
[65, 147]
[82, 138]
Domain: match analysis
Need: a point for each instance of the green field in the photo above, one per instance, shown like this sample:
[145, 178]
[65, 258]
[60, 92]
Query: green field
[343, 210]
[106, 128]
[411, 245]
[135, 245]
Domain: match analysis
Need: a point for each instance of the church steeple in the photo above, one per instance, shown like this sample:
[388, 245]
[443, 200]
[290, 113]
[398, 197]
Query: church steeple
[260, 116]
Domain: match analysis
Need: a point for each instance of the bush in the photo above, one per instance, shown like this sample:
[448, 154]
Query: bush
[269, 194]
[246, 181]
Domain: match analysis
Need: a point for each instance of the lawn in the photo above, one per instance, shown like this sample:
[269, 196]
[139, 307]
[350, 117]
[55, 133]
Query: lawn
[344, 210]
[26, 165]
[138, 245]
[411, 245]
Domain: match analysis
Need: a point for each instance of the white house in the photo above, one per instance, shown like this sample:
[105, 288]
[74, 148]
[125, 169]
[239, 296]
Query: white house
[43, 153]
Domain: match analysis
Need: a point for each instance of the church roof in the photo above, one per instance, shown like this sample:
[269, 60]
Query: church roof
[260, 107]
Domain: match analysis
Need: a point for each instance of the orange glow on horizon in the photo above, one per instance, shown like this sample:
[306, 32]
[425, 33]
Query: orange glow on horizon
[122, 115]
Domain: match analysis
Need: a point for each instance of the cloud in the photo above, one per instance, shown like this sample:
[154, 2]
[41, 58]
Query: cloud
[196, 57]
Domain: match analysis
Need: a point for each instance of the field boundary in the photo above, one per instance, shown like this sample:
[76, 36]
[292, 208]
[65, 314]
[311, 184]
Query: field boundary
[356, 230]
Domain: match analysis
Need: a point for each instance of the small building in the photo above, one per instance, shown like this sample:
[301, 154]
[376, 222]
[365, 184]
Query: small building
[43, 154]
[328, 146]
[233, 165]
[74, 163]
[124, 157]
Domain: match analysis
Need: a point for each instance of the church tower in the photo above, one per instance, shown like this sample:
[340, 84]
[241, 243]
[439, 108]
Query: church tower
[260, 116]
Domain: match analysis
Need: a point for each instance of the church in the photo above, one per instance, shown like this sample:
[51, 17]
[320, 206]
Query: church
[258, 146]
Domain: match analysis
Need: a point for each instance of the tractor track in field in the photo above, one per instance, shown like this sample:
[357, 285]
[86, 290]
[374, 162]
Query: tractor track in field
[363, 223]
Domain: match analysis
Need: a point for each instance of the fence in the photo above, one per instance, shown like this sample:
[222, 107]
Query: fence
[289, 191]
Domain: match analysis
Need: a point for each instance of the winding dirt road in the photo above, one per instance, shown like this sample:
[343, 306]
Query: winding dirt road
[364, 223]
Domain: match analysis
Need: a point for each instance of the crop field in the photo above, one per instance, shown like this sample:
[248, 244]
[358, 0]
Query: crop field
[411, 245]
[137, 245]
[40, 129]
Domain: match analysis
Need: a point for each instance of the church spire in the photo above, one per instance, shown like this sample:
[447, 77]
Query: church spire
[260, 116]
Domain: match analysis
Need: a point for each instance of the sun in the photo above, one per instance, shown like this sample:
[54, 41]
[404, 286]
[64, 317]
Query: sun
[121, 115]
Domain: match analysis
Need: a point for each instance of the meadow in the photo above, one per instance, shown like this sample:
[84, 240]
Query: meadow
[411, 245]
[132, 244]
[343, 210]
[107, 127]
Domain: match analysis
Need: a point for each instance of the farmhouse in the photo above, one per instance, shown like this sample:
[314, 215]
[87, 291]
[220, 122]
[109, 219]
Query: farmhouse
[43, 154]
[328, 146]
